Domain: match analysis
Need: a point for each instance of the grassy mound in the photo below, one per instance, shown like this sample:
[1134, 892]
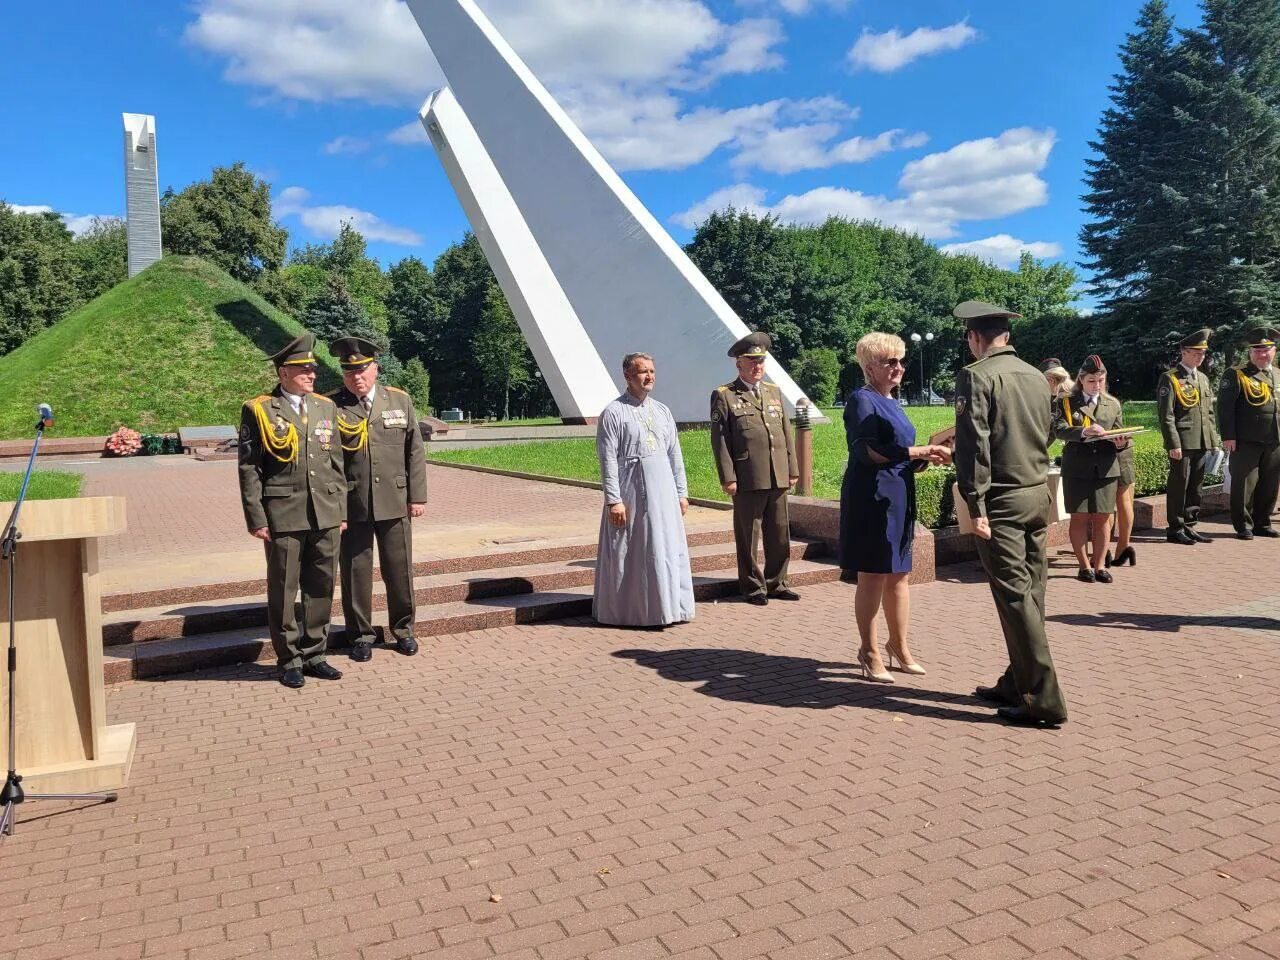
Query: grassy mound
[181, 344]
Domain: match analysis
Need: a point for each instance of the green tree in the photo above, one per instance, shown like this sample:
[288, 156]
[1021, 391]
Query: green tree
[413, 309]
[226, 219]
[416, 382]
[501, 357]
[335, 313]
[39, 279]
[102, 256]
[817, 371]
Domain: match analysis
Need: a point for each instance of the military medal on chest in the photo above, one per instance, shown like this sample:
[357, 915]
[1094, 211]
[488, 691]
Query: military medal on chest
[324, 433]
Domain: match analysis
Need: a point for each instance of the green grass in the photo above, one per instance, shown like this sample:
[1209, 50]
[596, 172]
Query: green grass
[576, 459]
[181, 344]
[45, 485]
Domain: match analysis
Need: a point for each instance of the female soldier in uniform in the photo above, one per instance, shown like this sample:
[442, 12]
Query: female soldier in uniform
[1090, 467]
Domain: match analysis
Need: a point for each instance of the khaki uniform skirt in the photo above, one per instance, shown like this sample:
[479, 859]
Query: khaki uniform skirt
[1089, 494]
[1125, 459]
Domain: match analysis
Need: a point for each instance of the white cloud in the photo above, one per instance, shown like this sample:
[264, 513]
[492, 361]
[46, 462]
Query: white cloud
[409, 134]
[741, 196]
[976, 180]
[889, 51]
[1003, 250]
[78, 223]
[325, 221]
[1016, 151]
[809, 147]
[796, 7]
[748, 48]
[346, 144]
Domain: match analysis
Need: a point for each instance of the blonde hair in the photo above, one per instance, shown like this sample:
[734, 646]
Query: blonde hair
[876, 346]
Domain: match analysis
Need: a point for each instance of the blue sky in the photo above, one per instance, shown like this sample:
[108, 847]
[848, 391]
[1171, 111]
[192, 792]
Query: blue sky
[967, 122]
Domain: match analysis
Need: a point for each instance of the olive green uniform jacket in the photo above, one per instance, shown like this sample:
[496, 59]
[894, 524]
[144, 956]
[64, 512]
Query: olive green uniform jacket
[285, 496]
[1241, 421]
[1183, 427]
[1002, 427]
[1098, 459]
[390, 471]
[751, 438]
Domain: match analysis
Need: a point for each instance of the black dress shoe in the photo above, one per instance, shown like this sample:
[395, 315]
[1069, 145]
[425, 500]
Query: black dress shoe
[407, 645]
[1103, 576]
[759, 599]
[1022, 717]
[1128, 556]
[322, 671]
[362, 652]
[1244, 534]
[1197, 536]
[1085, 575]
[292, 678]
[784, 593]
[991, 695]
[1180, 536]
[1266, 532]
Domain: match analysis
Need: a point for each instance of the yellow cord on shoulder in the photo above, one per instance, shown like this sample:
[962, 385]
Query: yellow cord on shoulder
[1066, 406]
[1256, 393]
[285, 448]
[1187, 398]
[359, 431]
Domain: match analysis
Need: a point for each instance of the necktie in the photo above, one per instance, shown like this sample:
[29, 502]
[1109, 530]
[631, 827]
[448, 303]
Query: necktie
[367, 402]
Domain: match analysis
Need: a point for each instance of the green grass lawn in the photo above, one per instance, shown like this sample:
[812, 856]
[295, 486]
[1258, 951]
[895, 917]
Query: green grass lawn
[576, 459]
[45, 485]
[181, 344]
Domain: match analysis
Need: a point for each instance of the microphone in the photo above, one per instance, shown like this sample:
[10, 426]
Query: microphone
[45, 413]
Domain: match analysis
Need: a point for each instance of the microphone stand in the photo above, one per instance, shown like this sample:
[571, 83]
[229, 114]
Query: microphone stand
[12, 793]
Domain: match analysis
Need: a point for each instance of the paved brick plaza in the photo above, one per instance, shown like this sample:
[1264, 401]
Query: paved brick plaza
[720, 791]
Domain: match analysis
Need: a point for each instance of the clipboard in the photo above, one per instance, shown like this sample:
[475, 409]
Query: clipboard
[1118, 432]
[945, 438]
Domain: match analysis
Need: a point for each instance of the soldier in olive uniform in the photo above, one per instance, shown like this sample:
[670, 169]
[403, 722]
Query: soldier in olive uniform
[387, 476]
[1184, 399]
[1002, 465]
[1249, 419]
[756, 459]
[294, 495]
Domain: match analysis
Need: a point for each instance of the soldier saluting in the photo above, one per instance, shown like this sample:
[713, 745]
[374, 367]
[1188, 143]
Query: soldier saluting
[386, 471]
[1184, 400]
[756, 459]
[1249, 418]
[294, 496]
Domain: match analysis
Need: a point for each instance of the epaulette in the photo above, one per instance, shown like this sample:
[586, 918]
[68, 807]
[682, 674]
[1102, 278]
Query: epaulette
[322, 396]
[724, 388]
[395, 390]
[254, 401]
[970, 366]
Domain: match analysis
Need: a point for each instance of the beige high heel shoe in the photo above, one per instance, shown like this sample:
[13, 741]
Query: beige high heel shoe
[869, 672]
[905, 666]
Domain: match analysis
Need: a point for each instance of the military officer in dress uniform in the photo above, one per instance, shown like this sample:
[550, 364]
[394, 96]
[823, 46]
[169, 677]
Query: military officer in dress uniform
[387, 479]
[1184, 400]
[756, 459]
[1249, 419]
[294, 495]
[1002, 465]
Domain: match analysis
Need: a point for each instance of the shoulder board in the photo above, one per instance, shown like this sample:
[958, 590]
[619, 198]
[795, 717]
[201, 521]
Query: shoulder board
[1172, 372]
[254, 401]
[323, 396]
[724, 388]
[970, 366]
[395, 390]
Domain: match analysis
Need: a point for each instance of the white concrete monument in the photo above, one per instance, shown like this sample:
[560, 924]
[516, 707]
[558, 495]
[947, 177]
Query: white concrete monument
[626, 283]
[142, 191]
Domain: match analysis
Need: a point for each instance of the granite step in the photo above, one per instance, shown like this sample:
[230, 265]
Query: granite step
[248, 644]
[562, 551]
[177, 619]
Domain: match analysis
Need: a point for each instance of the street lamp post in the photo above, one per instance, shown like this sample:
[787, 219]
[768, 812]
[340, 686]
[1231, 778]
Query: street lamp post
[920, 341]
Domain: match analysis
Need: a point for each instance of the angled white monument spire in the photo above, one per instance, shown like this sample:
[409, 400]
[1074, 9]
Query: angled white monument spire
[142, 191]
[628, 282]
[573, 370]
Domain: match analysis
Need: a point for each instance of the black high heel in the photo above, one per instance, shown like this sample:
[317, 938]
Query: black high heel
[1106, 561]
[1127, 555]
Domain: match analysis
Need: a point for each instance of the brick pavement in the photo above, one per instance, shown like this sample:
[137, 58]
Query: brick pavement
[723, 790]
[185, 524]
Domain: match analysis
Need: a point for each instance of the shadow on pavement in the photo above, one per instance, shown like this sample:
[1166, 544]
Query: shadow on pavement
[746, 676]
[1162, 623]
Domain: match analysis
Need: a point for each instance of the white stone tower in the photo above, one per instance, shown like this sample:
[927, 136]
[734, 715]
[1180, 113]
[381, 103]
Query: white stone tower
[142, 191]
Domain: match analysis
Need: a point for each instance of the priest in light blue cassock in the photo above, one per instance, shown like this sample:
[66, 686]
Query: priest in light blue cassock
[642, 566]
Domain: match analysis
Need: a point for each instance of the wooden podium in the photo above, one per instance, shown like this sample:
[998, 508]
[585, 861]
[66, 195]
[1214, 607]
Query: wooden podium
[63, 742]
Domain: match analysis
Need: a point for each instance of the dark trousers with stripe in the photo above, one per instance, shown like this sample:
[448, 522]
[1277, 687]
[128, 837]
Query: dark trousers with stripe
[1182, 495]
[302, 560]
[395, 560]
[761, 514]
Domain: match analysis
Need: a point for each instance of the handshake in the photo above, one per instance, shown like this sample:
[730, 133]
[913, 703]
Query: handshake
[933, 454]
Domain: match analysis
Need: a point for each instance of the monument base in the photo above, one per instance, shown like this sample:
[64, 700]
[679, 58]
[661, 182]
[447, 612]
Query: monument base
[110, 771]
[579, 421]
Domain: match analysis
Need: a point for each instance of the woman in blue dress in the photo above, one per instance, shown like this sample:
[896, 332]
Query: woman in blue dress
[878, 503]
